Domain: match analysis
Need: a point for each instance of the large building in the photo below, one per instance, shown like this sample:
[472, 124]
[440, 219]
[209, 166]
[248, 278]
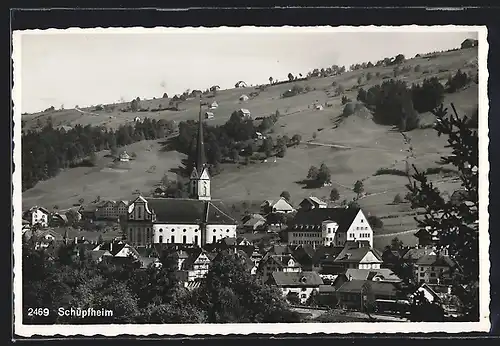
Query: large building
[197, 220]
[329, 227]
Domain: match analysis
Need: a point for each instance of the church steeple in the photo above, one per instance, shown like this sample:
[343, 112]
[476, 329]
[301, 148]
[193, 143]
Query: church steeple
[200, 179]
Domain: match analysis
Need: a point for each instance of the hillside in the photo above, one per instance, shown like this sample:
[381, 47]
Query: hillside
[368, 146]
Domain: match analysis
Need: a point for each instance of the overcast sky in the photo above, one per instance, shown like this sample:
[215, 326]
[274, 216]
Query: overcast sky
[87, 68]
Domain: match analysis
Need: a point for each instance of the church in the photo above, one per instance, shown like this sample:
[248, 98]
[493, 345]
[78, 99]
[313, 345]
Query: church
[197, 220]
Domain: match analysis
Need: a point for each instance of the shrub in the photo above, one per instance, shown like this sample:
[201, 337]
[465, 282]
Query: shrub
[375, 221]
[369, 76]
[397, 199]
[360, 79]
[349, 109]
[427, 96]
[377, 74]
[417, 68]
[361, 95]
[345, 100]
[458, 81]
[390, 171]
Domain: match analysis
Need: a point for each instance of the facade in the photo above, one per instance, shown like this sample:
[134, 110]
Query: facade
[37, 216]
[434, 269]
[209, 115]
[124, 157]
[195, 221]
[329, 227]
[351, 293]
[271, 263]
[243, 98]
[279, 206]
[362, 257]
[245, 114]
[301, 283]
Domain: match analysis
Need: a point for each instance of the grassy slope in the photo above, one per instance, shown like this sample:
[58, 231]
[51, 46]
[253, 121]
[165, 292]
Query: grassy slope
[372, 147]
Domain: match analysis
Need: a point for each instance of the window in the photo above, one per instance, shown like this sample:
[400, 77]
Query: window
[304, 289]
[433, 275]
[214, 239]
[227, 231]
[172, 239]
[196, 239]
[362, 220]
[161, 230]
[139, 236]
[173, 230]
[184, 239]
[303, 296]
[184, 230]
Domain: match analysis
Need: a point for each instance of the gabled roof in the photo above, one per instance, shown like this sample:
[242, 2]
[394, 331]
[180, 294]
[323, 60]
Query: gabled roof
[378, 287]
[254, 221]
[435, 260]
[297, 279]
[343, 216]
[193, 254]
[314, 201]
[415, 253]
[384, 274]
[355, 255]
[244, 111]
[326, 253]
[190, 211]
[96, 254]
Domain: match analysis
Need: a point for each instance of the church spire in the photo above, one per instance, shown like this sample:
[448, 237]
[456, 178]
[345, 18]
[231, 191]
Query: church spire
[200, 146]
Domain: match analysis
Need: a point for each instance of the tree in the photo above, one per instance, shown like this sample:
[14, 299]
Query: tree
[396, 244]
[334, 195]
[324, 175]
[165, 181]
[368, 299]
[360, 79]
[455, 225]
[399, 59]
[267, 146]
[165, 95]
[358, 188]
[234, 155]
[134, 105]
[270, 80]
[375, 221]
[313, 173]
[296, 139]
[286, 195]
[397, 199]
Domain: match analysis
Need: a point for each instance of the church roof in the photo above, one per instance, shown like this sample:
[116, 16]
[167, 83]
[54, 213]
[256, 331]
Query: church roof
[188, 211]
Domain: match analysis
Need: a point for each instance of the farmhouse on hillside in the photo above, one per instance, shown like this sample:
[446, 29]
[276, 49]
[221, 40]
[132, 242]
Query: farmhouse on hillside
[214, 105]
[279, 206]
[329, 227]
[209, 115]
[245, 114]
[37, 216]
[241, 84]
[312, 203]
[124, 156]
[243, 98]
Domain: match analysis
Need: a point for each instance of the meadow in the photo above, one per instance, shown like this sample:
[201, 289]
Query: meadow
[367, 146]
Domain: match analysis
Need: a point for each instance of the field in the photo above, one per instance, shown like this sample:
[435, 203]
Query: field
[368, 147]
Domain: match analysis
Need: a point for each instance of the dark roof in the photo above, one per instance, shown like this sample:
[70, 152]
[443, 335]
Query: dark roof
[355, 255]
[188, 211]
[314, 201]
[435, 260]
[384, 274]
[296, 279]
[378, 288]
[415, 253]
[98, 254]
[326, 252]
[192, 255]
[343, 216]
[326, 289]
[353, 244]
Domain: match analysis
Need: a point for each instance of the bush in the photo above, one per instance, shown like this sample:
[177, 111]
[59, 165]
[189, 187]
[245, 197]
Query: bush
[390, 171]
[369, 76]
[377, 74]
[427, 96]
[348, 109]
[375, 221]
[458, 81]
[417, 68]
[345, 100]
[397, 199]
[361, 95]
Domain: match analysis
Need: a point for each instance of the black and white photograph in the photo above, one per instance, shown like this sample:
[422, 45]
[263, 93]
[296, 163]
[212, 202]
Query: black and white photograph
[239, 180]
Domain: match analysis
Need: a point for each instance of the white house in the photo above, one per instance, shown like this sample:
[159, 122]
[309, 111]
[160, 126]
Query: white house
[329, 227]
[319, 107]
[214, 105]
[361, 257]
[312, 202]
[300, 283]
[243, 98]
[434, 269]
[209, 115]
[37, 216]
[245, 113]
[124, 156]
[279, 206]
[271, 263]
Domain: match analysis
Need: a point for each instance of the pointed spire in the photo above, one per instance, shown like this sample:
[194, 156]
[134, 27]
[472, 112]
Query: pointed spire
[200, 147]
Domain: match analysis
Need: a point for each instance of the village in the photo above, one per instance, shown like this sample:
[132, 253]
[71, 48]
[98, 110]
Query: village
[320, 257]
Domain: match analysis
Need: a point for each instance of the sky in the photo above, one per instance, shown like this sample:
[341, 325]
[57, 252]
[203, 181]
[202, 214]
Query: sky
[86, 68]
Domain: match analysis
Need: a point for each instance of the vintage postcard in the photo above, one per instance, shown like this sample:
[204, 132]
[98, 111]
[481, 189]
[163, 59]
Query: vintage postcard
[250, 180]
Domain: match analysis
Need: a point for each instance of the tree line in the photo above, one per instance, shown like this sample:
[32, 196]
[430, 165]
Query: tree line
[48, 151]
[229, 293]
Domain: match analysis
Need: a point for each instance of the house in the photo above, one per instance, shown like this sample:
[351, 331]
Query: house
[124, 156]
[99, 255]
[361, 257]
[245, 114]
[240, 84]
[426, 237]
[391, 258]
[243, 98]
[277, 263]
[106, 210]
[304, 254]
[351, 293]
[209, 115]
[214, 105]
[312, 203]
[137, 119]
[428, 293]
[57, 220]
[196, 265]
[279, 206]
[434, 269]
[329, 227]
[319, 107]
[121, 208]
[37, 216]
[381, 274]
[259, 135]
[301, 283]
[254, 222]
[412, 255]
